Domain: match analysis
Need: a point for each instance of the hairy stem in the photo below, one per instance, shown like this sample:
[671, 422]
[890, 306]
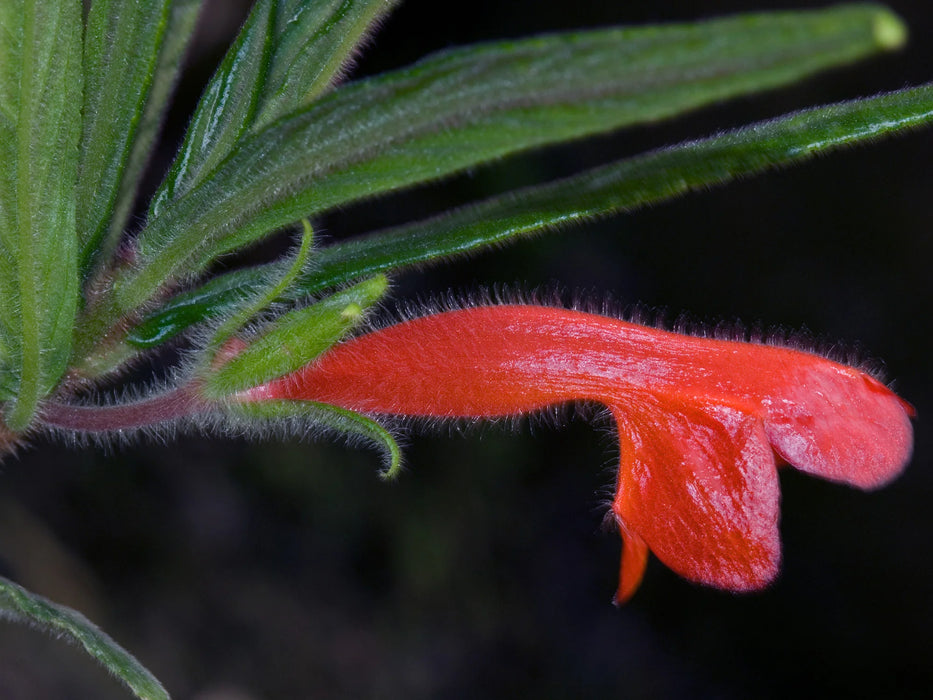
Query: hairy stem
[163, 408]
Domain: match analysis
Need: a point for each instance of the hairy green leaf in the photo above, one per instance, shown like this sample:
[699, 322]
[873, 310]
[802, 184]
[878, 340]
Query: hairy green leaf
[226, 108]
[622, 186]
[625, 185]
[18, 604]
[287, 274]
[314, 41]
[212, 299]
[122, 44]
[288, 53]
[295, 338]
[469, 106]
[176, 36]
[339, 420]
[40, 124]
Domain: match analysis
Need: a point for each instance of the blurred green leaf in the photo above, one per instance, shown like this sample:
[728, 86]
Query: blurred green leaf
[621, 186]
[468, 106]
[18, 604]
[40, 124]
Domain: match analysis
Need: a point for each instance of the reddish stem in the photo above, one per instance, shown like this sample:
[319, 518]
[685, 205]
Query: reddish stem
[162, 408]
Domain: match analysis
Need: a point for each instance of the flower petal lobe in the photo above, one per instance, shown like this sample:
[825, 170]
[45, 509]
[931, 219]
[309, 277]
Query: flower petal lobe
[632, 569]
[699, 484]
[839, 423]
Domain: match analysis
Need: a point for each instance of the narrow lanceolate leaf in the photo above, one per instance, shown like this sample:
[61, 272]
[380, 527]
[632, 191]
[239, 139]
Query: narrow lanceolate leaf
[626, 185]
[622, 186]
[162, 75]
[18, 604]
[295, 339]
[288, 53]
[122, 44]
[40, 122]
[314, 40]
[226, 108]
[469, 106]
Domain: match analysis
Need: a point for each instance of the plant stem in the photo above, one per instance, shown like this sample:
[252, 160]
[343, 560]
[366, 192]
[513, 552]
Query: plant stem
[172, 405]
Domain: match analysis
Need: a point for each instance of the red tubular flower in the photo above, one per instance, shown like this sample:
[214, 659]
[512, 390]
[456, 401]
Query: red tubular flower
[702, 423]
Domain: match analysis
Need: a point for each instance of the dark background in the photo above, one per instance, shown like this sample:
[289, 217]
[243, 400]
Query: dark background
[288, 570]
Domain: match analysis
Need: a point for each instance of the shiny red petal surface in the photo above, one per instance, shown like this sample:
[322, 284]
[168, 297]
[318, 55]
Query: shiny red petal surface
[699, 485]
[840, 424]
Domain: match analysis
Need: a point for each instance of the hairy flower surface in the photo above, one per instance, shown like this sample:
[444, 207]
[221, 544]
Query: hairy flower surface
[702, 423]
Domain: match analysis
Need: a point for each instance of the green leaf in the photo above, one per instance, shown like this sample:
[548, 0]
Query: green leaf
[468, 106]
[288, 273]
[214, 298]
[294, 339]
[288, 53]
[339, 420]
[122, 45]
[226, 108]
[164, 74]
[40, 124]
[18, 604]
[314, 41]
[626, 185]
[622, 186]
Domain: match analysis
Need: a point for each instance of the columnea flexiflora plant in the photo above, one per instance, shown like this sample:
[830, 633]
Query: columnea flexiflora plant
[98, 278]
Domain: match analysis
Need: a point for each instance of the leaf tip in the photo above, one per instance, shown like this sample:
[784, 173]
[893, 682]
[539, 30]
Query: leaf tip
[889, 30]
[393, 467]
